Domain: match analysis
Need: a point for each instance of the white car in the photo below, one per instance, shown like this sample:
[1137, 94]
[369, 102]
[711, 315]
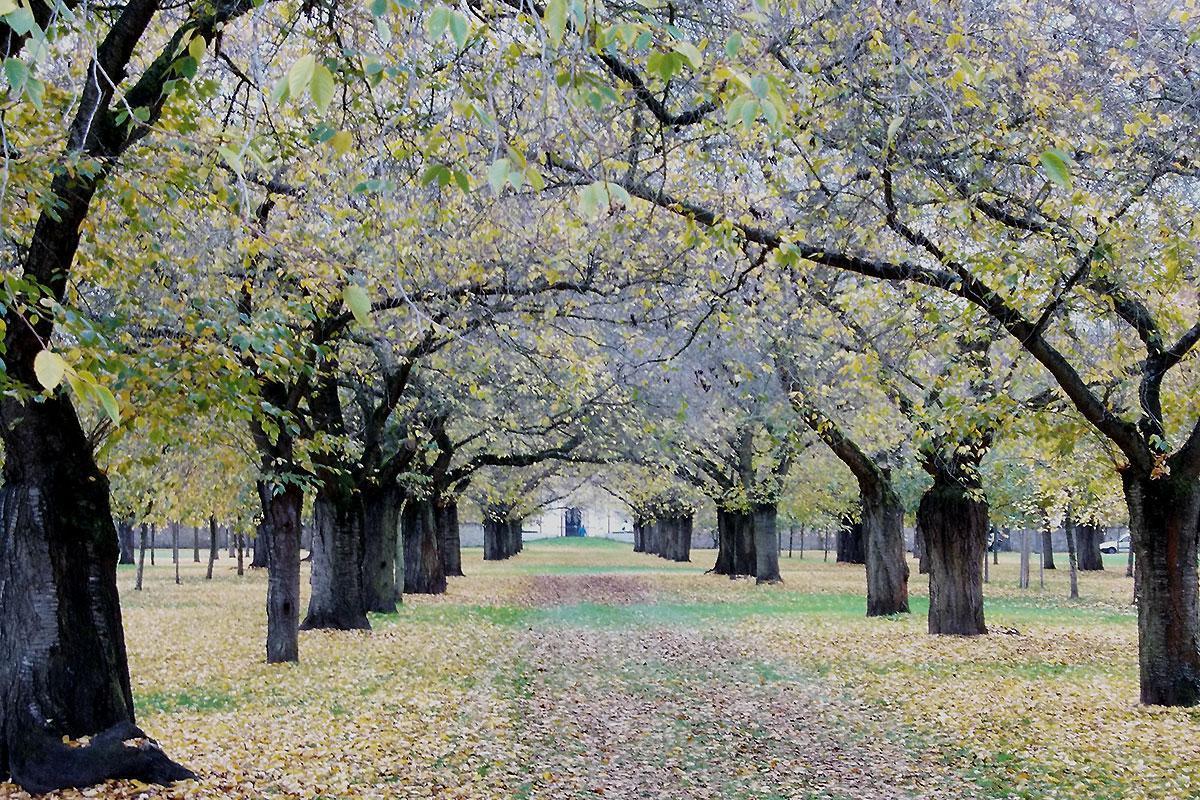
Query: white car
[1118, 545]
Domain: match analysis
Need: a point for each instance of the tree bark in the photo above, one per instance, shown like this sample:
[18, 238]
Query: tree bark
[279, 538]
[423, 572]
[141, 566]
[259, 548]
[1087, 546]
[955, 528]
[381, 528]
[212, 546]
[683, 547]
[63, 668]
[1023, 575]
[196, 544]
[125, 540]
[735, 544]
[1047, 549]
[241, 547]
[153, 542]
[850, 547]
[449, 541]
[175, 549]
[639, 545]
[494, 535]
[336, 600]
[1072, 558]
[766, 543]
[883, 541]
[1163, 517]
[920, 552]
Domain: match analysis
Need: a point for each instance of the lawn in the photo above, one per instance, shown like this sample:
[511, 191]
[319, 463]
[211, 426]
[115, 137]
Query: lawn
[582, 669]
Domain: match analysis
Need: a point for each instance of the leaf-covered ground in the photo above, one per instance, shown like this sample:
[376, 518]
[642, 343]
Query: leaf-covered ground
[581, 669]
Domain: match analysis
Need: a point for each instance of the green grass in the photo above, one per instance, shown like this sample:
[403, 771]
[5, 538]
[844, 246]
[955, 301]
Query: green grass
[185, 699]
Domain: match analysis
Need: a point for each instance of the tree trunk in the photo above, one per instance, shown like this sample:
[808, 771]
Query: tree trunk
[196, 544]
[175, 549]
[279, 538]
[125, 540]
[850, 548]
[766, 543]
[381, 527]
[423, 572]
[1087, 546]
[153, 543]
[1047, 549]
[241, 546]
[212, 546]
[955, 527]
[920, 552]
[495, 533]
[1023, 576]
[259, 548]
[141, 567]
[63, 667]
[683, 548]
[883, 540]
[336, 601]
[735, 544]
[638, 543]
[1072, 560]
[449, 541]
[1163, 518]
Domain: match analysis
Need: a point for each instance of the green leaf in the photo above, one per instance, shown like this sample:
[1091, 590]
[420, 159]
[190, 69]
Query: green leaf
[358, 302]
[108, 402]
[321, 87]
[459, 29]
[17, 73]
[439, 18]
[341, 142]
[497, 174]
[691, 53]
[196, 48]
[49, 368]
[555, 21]
[301, 74]
[1056, 162]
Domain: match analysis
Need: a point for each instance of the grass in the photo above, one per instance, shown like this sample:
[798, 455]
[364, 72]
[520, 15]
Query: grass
[440, 693]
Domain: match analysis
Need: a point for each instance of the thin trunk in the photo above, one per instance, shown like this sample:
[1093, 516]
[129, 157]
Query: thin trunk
[1163, 517]
[241, 546]
[196, 544]
[175, 549]
[1023, 577]
[825, 543]
[279, 537]
[955, 527]
[791, 539]
[1072, 560]
[423, 571]
[141, 568]
[766, 543]
[212, 546]
[153, 543]
[336, 600]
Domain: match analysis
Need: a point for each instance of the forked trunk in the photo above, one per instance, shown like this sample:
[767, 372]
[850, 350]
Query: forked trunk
[423, 572]
[766, 543]
[63, 669]
[279, 538]
[955, 527]
[883, 539]
[1163, 517]
[381, 527]
[336, 601]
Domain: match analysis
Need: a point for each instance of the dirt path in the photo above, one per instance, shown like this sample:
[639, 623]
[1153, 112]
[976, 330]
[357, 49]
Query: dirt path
[645, 711]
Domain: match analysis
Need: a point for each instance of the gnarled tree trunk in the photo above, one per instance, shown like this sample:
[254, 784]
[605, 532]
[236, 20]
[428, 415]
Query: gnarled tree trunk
[63, 669]
[955, 528]
[336, 601]
[423, 571]
[1163, 517]
[883, 540]
[381, 527]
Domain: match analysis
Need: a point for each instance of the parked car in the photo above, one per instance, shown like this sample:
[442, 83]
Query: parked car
[1118, 545]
